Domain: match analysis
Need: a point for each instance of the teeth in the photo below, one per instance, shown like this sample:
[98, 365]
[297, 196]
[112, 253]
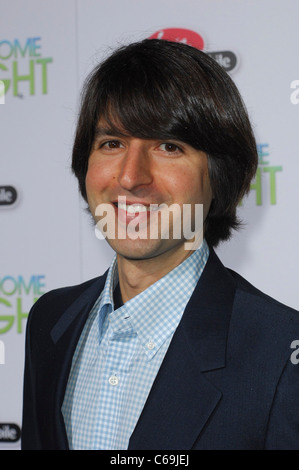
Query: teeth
[133, 209]
[137, 208]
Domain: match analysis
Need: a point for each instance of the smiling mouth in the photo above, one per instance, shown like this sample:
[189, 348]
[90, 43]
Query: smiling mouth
[135, 208]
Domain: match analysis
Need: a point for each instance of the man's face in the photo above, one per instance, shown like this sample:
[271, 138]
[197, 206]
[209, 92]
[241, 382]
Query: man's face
[137, 180]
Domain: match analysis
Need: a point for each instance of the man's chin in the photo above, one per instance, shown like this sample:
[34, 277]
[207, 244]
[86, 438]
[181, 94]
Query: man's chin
[144, 249]
[134, 249]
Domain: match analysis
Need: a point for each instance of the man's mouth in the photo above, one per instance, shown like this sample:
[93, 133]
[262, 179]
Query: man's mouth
[136, 208]
[138, 212]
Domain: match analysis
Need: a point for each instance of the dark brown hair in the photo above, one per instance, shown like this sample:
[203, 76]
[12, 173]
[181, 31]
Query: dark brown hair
[168, 90]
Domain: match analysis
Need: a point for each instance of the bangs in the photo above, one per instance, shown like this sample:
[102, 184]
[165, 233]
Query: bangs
[142, 98]
[144, 113]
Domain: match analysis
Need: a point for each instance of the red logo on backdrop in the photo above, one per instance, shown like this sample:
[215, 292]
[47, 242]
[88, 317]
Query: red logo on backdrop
[180, 35]
[227, 59]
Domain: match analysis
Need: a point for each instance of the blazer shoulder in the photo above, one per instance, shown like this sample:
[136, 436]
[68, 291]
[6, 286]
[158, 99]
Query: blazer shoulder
[251, 292]
[46, 311]
[67, 293]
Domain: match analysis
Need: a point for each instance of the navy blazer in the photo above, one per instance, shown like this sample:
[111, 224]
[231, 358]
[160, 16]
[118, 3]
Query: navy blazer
[227, 380]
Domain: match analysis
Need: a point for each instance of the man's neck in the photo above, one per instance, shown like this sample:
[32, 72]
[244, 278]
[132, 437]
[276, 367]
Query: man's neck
[137, 275]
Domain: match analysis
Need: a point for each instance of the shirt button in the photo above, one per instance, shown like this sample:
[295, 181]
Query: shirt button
[113, 380]
[150, 345]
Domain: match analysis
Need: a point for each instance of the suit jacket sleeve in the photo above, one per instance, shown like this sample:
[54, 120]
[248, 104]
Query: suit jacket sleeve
[30, 433]
[283, 426]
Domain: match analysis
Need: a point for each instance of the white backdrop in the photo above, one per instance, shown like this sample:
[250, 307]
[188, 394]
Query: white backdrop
[46, 50]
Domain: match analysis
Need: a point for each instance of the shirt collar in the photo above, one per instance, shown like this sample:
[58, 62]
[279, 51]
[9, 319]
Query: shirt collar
[155, 313]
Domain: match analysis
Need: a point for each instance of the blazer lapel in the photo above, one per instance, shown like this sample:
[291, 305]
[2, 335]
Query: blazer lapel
[182, 399]
[65, 335]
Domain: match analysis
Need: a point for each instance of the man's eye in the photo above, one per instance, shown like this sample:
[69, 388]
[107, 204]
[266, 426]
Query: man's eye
[111, 144]
[169, 147]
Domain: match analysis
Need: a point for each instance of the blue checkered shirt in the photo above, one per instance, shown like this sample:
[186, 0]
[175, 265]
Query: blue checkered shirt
[119, 354]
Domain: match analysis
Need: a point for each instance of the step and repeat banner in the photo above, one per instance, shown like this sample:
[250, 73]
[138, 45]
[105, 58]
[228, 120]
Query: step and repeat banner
[47, 241]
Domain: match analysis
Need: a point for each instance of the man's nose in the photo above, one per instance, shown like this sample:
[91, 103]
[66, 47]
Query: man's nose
[135, 168]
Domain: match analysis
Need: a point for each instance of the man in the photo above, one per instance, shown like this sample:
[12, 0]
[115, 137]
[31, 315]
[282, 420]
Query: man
[169, 349]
